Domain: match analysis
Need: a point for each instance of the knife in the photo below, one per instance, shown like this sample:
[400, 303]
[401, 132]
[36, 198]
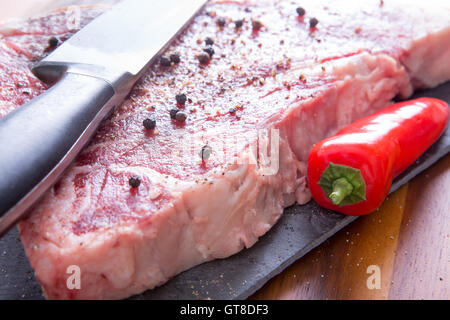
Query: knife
[90, 74]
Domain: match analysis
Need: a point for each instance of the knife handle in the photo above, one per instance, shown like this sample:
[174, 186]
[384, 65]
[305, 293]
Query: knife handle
[40, 139]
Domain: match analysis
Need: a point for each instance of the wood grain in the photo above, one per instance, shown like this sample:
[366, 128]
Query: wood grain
[422, 262]
[408, 238]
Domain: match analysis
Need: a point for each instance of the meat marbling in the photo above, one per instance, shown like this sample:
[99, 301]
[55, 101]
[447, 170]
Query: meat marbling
[291, 86]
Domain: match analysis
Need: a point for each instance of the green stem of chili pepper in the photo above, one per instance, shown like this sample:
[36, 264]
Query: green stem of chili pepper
[343, 185]
[341, 189]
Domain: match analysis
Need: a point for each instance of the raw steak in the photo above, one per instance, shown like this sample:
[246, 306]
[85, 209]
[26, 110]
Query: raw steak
[273, 83]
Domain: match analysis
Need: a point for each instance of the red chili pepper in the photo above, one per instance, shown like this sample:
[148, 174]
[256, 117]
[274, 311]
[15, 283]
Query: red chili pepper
[352, 171]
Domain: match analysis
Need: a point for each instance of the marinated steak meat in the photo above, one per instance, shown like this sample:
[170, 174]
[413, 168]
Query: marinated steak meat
[267, 81]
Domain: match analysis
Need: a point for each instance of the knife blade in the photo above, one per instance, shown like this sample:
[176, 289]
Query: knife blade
[91, 73]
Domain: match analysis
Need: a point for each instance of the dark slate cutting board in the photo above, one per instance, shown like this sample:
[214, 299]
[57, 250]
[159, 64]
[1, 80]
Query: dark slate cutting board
[300, 229]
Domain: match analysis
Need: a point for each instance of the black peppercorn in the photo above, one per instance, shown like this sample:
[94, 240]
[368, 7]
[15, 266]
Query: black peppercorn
[53, 42]
[134, 181]
[175, 58]
[209, 51]
[313, 22]
[173, 113]
[181, 116]
[232, 110]
[204, 58]
[181, 98]
[221, 22]
[164, 61]
[300, 11]
[239, 23]
[209, 41]
[149, 124]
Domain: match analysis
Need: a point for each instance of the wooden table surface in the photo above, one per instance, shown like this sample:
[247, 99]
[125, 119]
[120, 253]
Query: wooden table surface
[408, 238]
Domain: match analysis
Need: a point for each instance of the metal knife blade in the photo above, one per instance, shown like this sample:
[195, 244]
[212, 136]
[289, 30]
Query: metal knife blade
[124, 39]
[94, 70]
